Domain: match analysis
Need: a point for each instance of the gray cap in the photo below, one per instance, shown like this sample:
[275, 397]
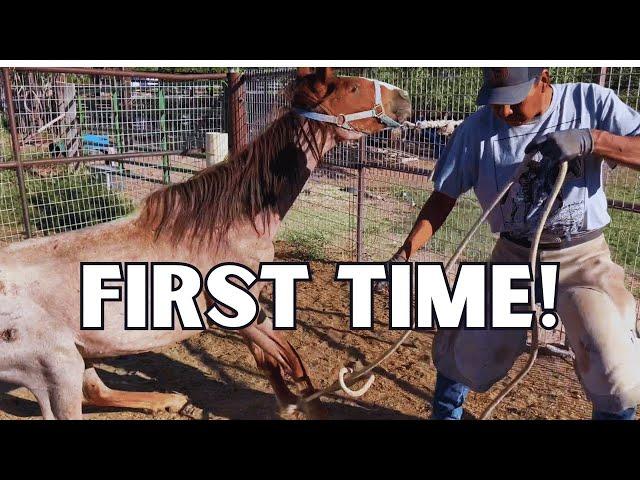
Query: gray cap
[507, 85]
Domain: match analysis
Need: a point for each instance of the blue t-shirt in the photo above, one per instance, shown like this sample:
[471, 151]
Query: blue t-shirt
[484, 153]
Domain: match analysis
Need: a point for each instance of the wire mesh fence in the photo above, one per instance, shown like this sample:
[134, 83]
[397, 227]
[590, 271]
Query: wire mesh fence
[71, 115]
[5, 136]
[143, 123]
[395, 180]
[147, 122]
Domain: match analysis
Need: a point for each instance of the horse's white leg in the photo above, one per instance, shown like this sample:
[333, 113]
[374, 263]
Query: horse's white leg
[38, 352]
[58, 385]
[64, 382]
[42, 396]
[96, 393]
[66, 402]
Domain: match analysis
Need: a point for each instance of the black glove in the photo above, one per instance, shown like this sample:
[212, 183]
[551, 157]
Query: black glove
[564, 145]
[381, 285]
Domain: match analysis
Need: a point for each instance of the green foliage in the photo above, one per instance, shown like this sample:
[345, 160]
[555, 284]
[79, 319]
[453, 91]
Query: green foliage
[68, 201]
[310, 245]
[10, 210]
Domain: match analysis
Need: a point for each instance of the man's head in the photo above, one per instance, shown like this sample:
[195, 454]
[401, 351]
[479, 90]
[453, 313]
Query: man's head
[516, 94]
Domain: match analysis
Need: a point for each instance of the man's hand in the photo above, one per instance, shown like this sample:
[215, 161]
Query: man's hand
[433, 214]
[380, 286]
[564, 145]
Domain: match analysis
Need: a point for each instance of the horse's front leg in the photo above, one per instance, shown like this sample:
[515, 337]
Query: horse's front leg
[58, 387]
[36, 352]
[277, 357]
[271, 366]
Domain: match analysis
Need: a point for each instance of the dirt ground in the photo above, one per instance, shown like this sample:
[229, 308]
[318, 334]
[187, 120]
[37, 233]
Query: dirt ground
[218, 374]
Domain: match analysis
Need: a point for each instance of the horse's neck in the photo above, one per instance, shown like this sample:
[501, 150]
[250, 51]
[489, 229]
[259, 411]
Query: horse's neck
[302, 159]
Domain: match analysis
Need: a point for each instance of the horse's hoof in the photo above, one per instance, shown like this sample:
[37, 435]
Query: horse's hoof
[193, 412]
[303, 411]
[176, 403]
[291, 412]
[314, 410]
[168, 402]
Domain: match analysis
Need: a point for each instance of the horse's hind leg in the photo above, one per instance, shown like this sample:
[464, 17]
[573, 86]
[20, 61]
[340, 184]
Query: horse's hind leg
[96, 393]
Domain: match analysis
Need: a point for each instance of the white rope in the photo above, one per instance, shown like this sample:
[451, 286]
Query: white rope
[446, 126]
[347, 390]
[344, 380]
[533, 254]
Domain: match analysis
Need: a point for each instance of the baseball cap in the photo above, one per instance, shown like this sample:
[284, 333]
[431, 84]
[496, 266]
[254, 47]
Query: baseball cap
[507, 85]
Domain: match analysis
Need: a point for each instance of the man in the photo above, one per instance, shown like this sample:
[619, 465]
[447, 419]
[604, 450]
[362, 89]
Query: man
[581, 123]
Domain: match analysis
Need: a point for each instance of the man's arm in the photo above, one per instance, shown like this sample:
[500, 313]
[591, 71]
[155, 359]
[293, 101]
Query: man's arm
[566, 145]
[622, 150]
[433, 214]
[455, 172]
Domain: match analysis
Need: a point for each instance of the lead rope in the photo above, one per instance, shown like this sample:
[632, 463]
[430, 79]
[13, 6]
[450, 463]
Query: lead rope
[347, 377]
[533, 257]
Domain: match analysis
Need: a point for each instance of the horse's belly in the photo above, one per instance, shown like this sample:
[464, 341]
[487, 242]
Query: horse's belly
[115, 342]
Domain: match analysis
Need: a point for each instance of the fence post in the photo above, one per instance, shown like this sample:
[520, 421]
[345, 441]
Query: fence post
[16, 151]
[166, 166]
[603, 76]
[237, 113]
[115, 102]
[216, 147]
[362, 154]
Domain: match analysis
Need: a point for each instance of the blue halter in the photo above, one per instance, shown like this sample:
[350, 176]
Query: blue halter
[343, 121]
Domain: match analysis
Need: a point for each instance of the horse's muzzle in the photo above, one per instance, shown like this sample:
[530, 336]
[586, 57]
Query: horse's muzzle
[402, 106]
[403, 115]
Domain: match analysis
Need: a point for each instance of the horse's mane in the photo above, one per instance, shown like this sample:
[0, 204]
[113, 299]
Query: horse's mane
[245, 186]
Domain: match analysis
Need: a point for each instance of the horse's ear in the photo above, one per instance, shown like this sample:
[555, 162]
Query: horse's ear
[324, 74]
[304, 71]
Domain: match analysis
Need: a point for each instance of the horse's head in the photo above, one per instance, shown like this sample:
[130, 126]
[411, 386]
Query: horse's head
[357, 105]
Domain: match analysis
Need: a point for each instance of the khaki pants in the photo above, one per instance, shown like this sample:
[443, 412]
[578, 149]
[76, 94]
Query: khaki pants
[599, 317]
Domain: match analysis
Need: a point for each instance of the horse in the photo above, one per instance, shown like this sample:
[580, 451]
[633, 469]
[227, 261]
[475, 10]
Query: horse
[229, 212]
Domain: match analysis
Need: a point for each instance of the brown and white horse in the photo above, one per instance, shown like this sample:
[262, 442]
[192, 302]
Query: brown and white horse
[226, 213]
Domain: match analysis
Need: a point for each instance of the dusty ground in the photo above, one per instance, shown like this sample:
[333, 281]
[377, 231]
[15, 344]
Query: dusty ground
[218, 373]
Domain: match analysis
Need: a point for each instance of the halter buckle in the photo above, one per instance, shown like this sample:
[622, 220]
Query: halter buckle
[378, 110]
[341, 120]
